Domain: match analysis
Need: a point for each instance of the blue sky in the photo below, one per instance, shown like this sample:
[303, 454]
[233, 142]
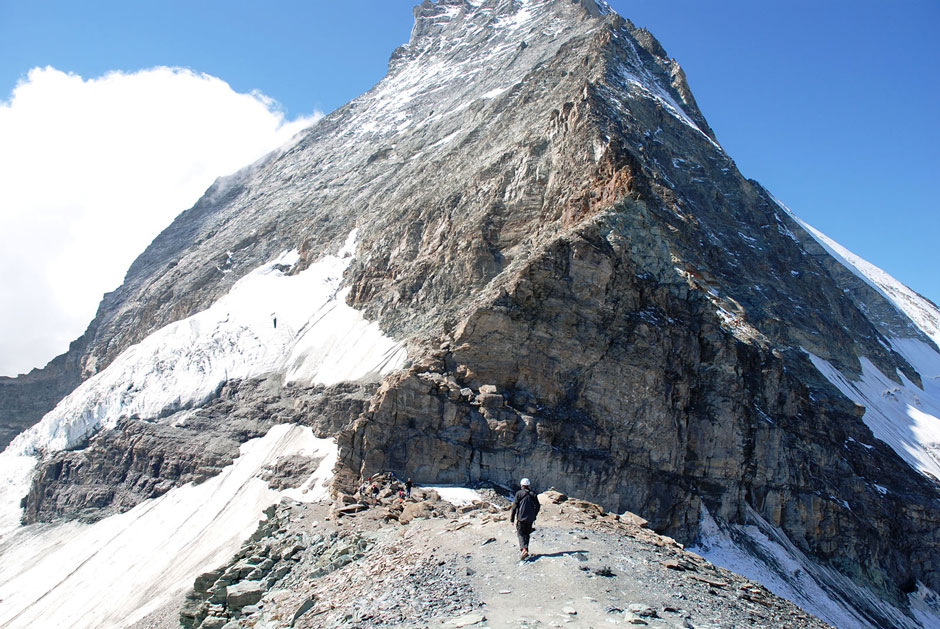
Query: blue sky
[833, 106]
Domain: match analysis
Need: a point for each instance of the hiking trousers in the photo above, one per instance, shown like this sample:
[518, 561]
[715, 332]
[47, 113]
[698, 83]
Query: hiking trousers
[523, 530]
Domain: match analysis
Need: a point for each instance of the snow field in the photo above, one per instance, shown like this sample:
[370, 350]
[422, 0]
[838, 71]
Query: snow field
[118, 570]
[125, 566]
[457, 496]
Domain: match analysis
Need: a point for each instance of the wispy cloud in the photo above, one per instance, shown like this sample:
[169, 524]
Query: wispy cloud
[91, 170]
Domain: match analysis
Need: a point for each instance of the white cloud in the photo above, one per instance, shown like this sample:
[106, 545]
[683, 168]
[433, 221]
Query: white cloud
[91, 171]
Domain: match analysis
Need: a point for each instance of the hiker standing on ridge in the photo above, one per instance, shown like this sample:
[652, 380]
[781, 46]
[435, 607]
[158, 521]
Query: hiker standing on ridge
[525, 507]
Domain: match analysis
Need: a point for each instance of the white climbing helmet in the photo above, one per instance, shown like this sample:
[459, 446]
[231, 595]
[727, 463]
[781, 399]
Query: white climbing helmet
[525, 482]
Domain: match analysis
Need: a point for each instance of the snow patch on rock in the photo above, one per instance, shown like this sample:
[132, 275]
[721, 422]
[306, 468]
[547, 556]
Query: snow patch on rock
[457, 496]
[925, 606]
[763, 553]
[904, 416]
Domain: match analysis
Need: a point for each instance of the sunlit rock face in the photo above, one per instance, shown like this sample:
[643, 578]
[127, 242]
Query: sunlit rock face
[524, 252]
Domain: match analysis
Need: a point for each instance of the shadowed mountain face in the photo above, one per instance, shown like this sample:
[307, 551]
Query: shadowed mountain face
[590, 293]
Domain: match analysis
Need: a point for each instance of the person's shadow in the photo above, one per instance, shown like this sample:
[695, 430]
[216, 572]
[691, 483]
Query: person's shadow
[580, 554]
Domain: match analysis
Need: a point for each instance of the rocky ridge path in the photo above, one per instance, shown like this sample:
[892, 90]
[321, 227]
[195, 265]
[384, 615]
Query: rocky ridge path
[313, 566]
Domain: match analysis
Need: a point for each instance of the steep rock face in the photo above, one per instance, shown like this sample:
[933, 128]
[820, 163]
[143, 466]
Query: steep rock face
[590, 290]
[654, 353]
[618, 387]
[647, 337]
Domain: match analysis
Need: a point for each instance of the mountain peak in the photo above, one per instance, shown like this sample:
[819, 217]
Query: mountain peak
[444, 25]
[495, 43]
[524, 253]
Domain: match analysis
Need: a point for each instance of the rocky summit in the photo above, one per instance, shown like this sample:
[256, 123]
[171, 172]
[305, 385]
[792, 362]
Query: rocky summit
[524, 252]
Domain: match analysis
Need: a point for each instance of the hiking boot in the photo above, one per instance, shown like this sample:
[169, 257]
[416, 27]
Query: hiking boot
[524, 554]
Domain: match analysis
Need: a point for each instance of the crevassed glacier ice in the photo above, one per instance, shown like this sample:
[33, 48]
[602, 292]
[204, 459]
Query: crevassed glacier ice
[269, 322]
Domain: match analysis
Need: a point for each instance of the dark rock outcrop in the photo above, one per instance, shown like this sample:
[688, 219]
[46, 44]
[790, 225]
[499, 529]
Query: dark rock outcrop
[137, 460]
[26, 398]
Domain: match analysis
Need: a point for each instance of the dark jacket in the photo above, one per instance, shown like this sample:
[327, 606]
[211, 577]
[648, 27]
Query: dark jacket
[525, 506]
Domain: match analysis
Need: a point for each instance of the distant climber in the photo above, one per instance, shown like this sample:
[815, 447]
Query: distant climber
[525, 508]
[274, 319]
[408, 486]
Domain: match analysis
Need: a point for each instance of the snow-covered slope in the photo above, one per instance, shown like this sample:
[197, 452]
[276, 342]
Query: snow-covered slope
[114, 572]
[763, 553]
[903, 415]
[125, 566]
[922, 313]
[270, 322]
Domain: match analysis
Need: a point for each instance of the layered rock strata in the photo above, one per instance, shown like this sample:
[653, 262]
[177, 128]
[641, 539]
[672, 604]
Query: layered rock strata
[137, 460]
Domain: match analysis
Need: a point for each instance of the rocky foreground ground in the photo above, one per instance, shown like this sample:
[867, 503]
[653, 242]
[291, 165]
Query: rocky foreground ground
[423, 562]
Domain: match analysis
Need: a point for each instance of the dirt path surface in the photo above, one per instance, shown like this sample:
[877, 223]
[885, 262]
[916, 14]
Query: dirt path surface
[427, 563]
[592, 572]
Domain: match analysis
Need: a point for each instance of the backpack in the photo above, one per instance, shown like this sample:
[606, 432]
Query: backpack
[526, 505]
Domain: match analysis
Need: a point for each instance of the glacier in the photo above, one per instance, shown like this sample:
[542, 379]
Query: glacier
[128, 565]
[270, 322]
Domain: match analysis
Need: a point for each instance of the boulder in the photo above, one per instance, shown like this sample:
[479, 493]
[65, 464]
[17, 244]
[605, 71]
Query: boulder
[552, 496]
[213, 622]
[643, 611]
[490, 400]
[243, 593]
[412, 510]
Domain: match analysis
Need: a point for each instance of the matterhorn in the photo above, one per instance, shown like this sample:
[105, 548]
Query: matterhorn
[522, 252]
